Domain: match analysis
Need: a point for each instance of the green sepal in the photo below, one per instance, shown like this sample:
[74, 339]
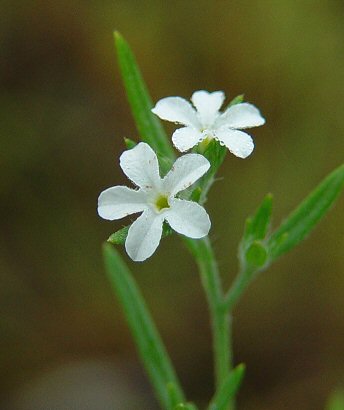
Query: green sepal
[237, 100]
[256, 255]
[119, 237]
[196, 194]
[228, 389]
[215, 154]
[305, 217]
[129, 143]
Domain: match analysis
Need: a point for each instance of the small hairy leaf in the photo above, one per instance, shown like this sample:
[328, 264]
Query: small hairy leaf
[305, 217]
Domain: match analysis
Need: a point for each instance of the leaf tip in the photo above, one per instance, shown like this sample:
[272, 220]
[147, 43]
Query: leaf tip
[241, 368]
[119, 39]
[129, 143]
[269, 197]
[117, 35]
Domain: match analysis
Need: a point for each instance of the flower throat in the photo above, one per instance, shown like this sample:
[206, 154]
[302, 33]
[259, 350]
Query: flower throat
[162, 203]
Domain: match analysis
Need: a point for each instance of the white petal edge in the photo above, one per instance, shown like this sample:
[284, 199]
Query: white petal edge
[120, 201]
[238, 142]
[144, 236]
[176, 109]
[207, 105]
[140, 165]
[188, 218]
[185, 138]
[241, 116]
[184, 172]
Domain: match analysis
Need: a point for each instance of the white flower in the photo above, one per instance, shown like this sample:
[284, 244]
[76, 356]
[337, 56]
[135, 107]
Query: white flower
[206, 121]
[156, 199]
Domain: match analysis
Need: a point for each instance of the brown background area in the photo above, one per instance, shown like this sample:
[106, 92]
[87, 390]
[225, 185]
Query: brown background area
[64, 343]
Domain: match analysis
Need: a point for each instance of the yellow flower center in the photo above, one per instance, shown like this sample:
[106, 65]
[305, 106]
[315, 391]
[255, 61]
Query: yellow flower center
[161, 202]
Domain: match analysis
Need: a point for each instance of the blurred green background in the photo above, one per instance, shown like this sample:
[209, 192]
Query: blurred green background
[64, 343]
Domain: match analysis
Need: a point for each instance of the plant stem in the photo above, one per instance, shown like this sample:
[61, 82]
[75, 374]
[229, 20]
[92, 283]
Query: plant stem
[238, 287]
[220, 320]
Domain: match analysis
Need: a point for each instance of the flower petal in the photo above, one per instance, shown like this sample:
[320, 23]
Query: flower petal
[120, 201]
[140, 165]
[184, 172]
[238, 142]
[185, 138]
[178, 110]
[240, 116]
[144, 236]
[188, 218]
[208, 105]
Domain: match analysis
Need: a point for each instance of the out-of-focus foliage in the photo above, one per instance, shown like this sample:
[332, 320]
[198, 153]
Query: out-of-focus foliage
[336, 401]
[63, 118]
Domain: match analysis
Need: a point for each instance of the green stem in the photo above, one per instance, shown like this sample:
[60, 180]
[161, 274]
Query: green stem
[240, 284]
[220, 320]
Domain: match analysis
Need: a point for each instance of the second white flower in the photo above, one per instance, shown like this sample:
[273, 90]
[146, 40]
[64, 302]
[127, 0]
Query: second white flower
[204, 120]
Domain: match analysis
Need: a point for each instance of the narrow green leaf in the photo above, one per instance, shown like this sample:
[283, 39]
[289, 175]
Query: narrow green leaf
[119, 237]
[304, 218]
[150, 347]
[148, 125]
[227, 391]
[336, 401]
